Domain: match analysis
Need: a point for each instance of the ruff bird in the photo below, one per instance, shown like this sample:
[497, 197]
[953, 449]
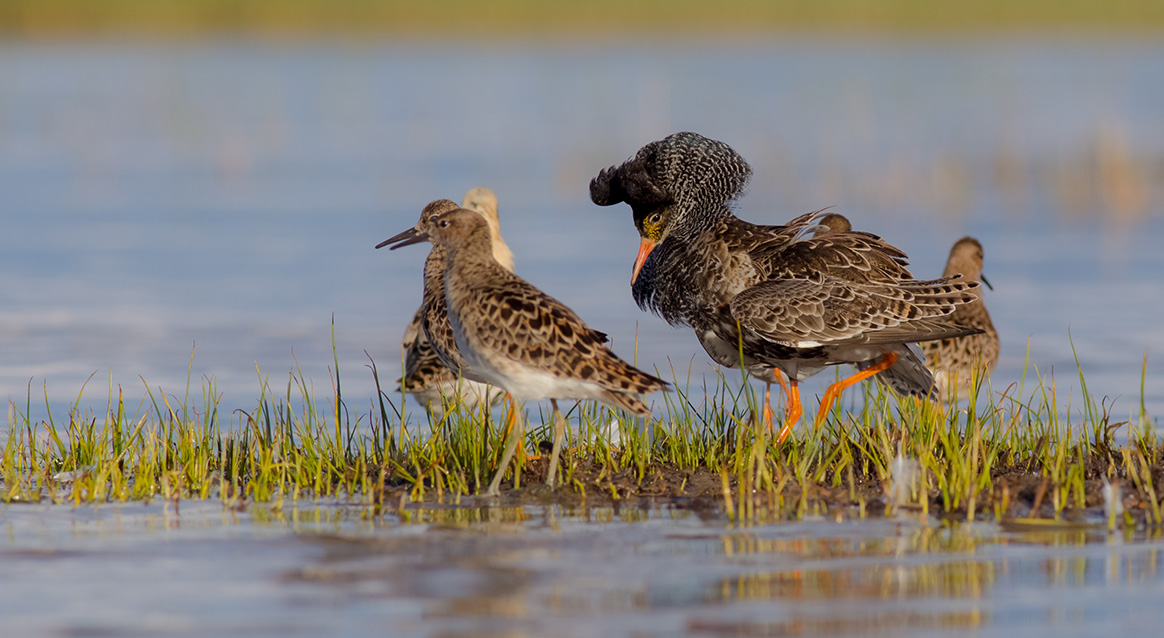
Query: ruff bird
[960, 362]
[512, 335]
[426, 377]
[773, 297]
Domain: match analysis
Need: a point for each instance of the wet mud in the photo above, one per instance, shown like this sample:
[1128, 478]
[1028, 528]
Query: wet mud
[1014, 492]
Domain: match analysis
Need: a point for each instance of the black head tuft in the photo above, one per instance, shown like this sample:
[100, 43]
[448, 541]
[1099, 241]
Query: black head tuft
[634, 182]
[606, 189]
[684, 167]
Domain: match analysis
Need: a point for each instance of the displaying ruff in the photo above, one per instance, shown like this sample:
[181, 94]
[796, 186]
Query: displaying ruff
[773, 297]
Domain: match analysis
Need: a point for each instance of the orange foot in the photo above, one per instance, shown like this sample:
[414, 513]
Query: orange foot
[835, 389]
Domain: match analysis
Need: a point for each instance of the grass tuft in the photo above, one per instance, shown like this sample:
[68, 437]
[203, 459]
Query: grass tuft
[995, 455]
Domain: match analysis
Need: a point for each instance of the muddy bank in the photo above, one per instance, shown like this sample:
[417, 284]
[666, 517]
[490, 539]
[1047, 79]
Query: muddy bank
[1013, 493]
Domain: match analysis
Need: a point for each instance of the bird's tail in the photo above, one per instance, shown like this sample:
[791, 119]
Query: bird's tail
[908, 376]
[626, 401]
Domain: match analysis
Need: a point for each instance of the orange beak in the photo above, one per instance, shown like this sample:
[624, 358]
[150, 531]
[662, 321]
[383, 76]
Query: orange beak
[645, 248]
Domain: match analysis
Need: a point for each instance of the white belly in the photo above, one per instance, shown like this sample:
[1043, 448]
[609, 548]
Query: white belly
[524, 382]
[532, 385]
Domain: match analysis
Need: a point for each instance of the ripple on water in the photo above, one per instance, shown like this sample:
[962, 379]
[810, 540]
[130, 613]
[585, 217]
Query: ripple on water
[321, 568]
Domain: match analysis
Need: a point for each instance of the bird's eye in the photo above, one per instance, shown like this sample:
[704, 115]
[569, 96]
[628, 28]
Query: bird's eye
[654, 218]
[444, 223]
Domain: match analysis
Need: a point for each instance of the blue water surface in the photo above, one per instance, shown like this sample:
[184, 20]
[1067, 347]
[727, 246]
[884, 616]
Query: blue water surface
[220, 199]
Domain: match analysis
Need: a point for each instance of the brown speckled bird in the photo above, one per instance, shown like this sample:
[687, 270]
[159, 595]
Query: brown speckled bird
[832, 223]
[516, 337]
[790, 301]
[960, 362]
[433, 313]
[426, 378]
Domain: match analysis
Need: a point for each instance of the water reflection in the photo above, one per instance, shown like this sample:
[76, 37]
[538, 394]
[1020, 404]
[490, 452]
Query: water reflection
[673, 571]
[831, 568]
[482, 569]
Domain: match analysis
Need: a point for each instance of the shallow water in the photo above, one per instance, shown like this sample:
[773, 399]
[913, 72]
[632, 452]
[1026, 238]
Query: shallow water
[222, 198]
[341, 570]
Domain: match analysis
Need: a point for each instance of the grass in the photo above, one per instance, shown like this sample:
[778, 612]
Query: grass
[538, 17]
[999, 454]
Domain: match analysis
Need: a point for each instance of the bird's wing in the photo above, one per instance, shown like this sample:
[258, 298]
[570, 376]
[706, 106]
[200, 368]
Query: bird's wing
[439, 333]
[414, 344]
[412, 332]
[829, 311]
[422, 366]
[790, 251]
[543, 333]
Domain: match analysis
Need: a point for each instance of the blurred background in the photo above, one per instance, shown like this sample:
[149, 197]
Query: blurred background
[192, 189]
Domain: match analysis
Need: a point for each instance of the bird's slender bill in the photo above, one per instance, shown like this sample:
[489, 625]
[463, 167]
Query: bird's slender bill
[645, 248]
[406, 238]
[983, 278]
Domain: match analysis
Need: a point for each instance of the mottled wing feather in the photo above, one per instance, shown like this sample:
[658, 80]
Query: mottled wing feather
[788, 251]
[422, 366]
[439, 333]
[960, 358]
[425, 370]
[804, 312]
[435, 315]
[540, 332]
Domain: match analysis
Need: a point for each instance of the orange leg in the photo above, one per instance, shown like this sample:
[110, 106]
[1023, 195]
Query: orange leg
[509, 421]
[768, 406]
[781, 381]
[835, 389]
[511, 418]
[768, 414]
[792, 410]
[514, 433]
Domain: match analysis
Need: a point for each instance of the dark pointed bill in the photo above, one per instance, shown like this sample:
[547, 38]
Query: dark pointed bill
[406, 238]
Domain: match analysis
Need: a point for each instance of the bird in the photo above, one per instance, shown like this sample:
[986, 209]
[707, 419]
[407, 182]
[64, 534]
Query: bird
[426, 378]
[773, 297]
[512, 335]
[959, 362]
[832, 223]
[837, 223]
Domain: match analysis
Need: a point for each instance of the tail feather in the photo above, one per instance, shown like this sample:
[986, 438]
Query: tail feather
[626, 401]
[908, 376]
